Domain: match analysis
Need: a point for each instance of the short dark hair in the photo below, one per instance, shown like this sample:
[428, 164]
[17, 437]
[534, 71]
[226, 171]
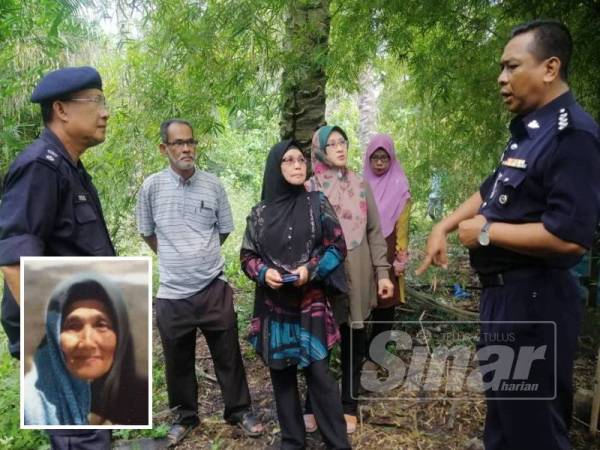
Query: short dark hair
[47, 110]
[164, 128]
[551, 38]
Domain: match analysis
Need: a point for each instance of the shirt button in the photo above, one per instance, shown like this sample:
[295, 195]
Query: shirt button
[484, 204]
[503, 199]
[514, 146]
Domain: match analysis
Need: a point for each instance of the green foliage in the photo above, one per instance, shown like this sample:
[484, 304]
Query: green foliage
[443, 105]
[35, 37]
[219, 64]
[354, 41]
[157, 432]
[198, 56]
[438, 60]
[10, 434]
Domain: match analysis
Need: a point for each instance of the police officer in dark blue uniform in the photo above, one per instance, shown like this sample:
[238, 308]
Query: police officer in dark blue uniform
[532, 220]
[50, 206]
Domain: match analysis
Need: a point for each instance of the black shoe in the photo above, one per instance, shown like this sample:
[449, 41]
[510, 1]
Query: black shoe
[177, 433]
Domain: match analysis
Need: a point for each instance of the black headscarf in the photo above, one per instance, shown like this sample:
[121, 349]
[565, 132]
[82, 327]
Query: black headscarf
[288, 233]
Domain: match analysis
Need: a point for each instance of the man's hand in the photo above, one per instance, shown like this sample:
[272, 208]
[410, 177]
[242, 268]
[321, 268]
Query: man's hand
[468, 231]
[436, 251]
[302, 271]
[385, 288]
[273, 279]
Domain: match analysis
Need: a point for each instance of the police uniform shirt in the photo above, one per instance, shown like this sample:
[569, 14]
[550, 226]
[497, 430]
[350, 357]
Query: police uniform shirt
[549, 173]
[49, 207]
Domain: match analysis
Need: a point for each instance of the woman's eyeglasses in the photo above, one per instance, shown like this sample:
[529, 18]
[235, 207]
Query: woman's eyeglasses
[381, 158]
[341, 143]
[292, 161]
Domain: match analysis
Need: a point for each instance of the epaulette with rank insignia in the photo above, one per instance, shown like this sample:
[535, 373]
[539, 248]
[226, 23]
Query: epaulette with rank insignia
[564, 121]
[50, 158]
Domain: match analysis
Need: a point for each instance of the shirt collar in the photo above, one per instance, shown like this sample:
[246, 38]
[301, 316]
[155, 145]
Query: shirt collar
[49, 136]
[179, 179]
[529, 124]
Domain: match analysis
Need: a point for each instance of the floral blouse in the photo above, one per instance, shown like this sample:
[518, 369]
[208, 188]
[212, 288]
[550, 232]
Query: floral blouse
[294, 325]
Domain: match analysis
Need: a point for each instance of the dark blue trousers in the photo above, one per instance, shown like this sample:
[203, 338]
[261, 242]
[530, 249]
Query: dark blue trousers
[11, 322]
[518, 420]
[80, 439]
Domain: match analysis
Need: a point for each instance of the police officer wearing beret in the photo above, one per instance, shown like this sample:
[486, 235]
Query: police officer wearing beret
[531, 221]
[50, 206]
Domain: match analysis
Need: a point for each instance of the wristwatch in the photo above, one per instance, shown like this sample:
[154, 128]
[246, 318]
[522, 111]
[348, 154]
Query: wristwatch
[484, 235]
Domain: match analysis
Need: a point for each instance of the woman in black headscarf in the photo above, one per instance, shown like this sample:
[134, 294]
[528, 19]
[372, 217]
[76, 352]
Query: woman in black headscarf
[293, 242]
[84, 368]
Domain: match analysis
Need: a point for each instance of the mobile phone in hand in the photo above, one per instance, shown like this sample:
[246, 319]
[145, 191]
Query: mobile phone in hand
[289, 278]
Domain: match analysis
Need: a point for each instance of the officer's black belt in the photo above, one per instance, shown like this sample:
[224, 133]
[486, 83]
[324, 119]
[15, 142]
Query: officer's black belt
[504, 278]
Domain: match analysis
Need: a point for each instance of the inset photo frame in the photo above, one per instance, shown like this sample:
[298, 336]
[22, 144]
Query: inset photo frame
[86, 342]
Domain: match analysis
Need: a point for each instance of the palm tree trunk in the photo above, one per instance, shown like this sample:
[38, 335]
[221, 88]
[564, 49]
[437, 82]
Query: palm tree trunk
[304, 78]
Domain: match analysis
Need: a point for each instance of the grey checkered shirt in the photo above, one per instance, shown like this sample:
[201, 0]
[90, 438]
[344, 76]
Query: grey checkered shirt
[187, 218]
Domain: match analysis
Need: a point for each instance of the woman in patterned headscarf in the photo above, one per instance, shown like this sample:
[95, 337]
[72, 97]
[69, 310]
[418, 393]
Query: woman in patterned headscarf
[366, 265]
[295, 234]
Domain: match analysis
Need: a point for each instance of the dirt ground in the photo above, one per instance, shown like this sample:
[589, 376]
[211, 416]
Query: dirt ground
[383, 424]
[397, 424]
[413, 423]
[407, 424]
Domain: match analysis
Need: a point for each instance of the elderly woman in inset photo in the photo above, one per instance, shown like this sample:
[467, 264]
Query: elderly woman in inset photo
[83, 371]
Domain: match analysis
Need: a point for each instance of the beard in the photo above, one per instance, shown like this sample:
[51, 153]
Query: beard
[185, 165]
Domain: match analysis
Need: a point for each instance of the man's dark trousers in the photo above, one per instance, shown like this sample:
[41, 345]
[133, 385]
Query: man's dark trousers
[531, 424]
[211, 311]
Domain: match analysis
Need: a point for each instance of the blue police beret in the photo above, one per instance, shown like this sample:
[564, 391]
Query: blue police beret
[59, 83]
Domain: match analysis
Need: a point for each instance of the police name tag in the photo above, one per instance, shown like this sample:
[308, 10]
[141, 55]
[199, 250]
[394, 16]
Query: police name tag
[81, 198]
[515, 162]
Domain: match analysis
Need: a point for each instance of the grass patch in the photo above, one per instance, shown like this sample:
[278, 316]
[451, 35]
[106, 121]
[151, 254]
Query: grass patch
[11, 437]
